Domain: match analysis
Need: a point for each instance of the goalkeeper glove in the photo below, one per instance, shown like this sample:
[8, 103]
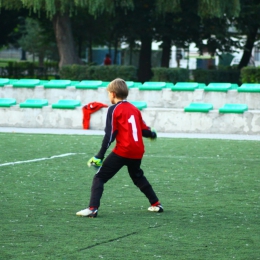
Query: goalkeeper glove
[154, 134]
[95, 162]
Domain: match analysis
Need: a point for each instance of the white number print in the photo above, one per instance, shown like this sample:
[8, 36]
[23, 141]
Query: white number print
[131, 120]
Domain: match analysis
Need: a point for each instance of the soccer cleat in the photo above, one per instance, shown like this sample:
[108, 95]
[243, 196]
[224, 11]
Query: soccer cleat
[158, 208]
[88, 212]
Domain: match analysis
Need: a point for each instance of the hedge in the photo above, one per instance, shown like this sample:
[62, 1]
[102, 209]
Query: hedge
[26, 69]
[170, 75]
[104, 73]
[218, 75]
[250, 75]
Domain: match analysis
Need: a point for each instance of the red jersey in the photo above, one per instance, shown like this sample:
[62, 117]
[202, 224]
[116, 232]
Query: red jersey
[125, 124]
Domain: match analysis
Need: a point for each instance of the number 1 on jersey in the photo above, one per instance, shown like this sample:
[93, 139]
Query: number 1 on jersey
[131, 120]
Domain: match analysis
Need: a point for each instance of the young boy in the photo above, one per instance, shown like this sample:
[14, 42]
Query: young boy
[125, 124]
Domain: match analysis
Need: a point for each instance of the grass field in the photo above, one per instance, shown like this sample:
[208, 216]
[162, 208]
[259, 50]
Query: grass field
[209, 190]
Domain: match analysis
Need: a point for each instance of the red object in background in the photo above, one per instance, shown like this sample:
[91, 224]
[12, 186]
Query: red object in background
[107, 60]
[88, 110]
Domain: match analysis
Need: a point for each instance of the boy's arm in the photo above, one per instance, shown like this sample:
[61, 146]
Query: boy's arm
[107, 140]
[149, 133]
[109, 135]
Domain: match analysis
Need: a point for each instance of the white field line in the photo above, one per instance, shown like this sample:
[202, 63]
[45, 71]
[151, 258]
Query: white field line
[39, 159]
[156, 156]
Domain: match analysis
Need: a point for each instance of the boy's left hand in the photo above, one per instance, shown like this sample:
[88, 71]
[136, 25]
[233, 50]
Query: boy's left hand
[154, 134]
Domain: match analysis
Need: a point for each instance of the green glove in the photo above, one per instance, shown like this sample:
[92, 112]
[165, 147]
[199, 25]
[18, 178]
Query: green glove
[154, 134]
[95, 162]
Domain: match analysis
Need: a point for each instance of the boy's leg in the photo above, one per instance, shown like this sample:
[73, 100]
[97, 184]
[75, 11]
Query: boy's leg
[111, 165]
[137, 176]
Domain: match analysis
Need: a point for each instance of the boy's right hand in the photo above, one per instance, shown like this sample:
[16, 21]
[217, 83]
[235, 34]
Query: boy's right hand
[93, 161]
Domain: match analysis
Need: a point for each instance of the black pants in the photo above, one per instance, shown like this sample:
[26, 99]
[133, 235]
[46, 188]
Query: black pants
[111, 165]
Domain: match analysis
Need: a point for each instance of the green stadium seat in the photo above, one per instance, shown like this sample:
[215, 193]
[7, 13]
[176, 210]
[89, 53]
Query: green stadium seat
[137, 84]
[66, 104]
[3, 82]
[185, 86]
[249, 87]
[34, 103]
[11, 81]
[74, 82]
[7, 102]
[234, 86]
[89, 84]
[139, 104]
[233, 108]
[57, 83]
[26, 83]
[152, 86]
[202, 85]
[199, 107]
[43, 81]
[169, 85]
[130, 84]
[104, 84]
[218, 87]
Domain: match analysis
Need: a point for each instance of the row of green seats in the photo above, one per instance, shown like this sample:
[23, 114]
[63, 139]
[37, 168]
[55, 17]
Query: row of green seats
[206, 107]
[59, 83]
[72, 104]
[249, 87]
[191, 86]
[39, 103]
[61, 104]
[224, 87]
[94, 84]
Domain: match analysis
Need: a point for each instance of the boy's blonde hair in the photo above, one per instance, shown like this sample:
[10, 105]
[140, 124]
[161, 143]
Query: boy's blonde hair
[119, 87]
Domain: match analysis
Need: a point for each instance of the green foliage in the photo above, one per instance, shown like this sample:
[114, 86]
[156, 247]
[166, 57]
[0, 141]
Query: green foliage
[34, 39]
[26, 69]
[217, 8]
[165, 6]
[250, 75]
[187, 21]
[206, 8]
[20, 69]
[219, 75]
[70, 6]
[74, 72]
[11, 4]
[170, 75]
[104, 73]
[9, 19]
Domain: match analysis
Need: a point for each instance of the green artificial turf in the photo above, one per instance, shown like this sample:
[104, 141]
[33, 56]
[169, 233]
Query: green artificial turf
[209, 190]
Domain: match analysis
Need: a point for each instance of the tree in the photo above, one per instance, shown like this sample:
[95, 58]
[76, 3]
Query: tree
[59, 11]
[35, 40]
[179, 22]
[195, 21]
[103, 29]
[95, 34]
[140, 16]
[248, 24]
[9, 20]
[179, 28]
[142, 22]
